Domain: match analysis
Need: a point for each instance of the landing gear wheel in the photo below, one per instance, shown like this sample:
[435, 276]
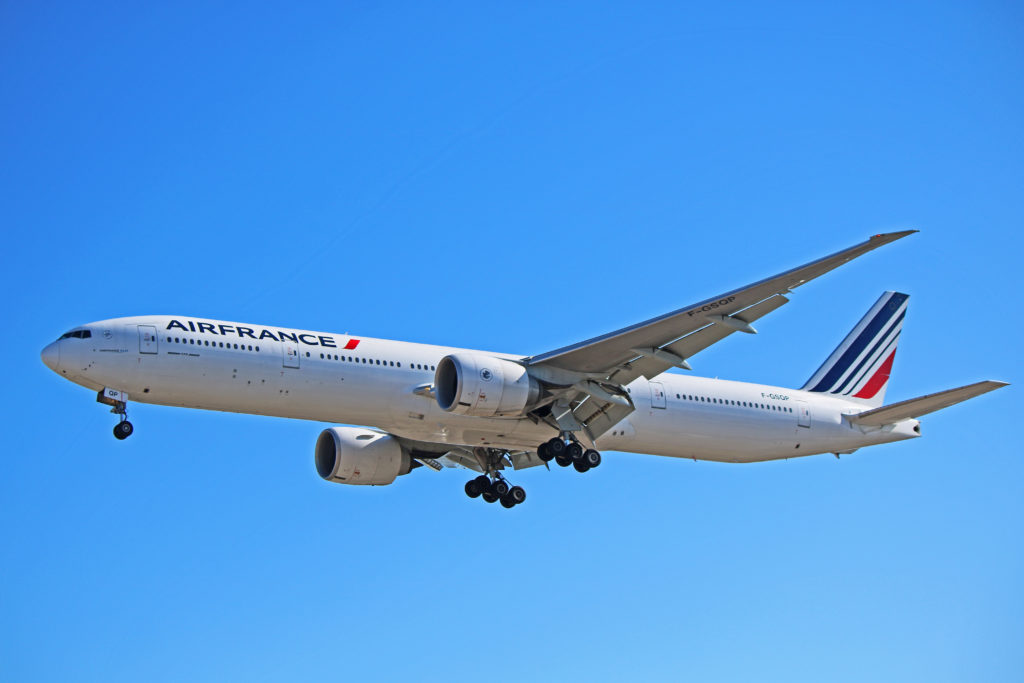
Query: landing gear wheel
[544, 453]
[123, 429]
[563, 460]
[592, 458]
[489, 497]
[499, 488]
[507, 502]
[483, 483]
[574, 451]
[580, 466]
[517, 494]
[473, 489]
[556, 446]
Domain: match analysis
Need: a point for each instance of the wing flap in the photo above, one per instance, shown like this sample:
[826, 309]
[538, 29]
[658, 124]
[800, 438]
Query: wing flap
[599, 416]
[916, 407]
[695, 342]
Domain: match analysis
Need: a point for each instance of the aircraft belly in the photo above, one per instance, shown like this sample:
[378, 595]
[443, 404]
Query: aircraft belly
[706, 433]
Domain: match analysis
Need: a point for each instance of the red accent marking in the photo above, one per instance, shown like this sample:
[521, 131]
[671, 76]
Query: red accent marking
[879, 379]
[352, 343]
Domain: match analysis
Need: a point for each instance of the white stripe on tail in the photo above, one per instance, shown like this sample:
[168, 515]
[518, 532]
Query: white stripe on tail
[859, 367]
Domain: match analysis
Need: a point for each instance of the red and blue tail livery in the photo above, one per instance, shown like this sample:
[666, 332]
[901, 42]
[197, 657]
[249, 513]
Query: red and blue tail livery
[859, 368]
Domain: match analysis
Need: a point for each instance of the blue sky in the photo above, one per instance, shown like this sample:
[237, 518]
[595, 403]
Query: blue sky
[516, 178]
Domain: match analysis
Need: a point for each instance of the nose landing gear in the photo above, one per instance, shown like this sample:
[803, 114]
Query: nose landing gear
[118, 400]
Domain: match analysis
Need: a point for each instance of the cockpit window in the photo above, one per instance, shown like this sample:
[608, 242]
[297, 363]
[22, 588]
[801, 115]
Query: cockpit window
[77, 334]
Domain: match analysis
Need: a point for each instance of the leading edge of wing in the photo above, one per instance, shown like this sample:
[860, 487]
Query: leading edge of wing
[662, 329]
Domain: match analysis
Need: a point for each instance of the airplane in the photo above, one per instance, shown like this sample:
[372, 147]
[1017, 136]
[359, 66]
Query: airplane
[439, 407]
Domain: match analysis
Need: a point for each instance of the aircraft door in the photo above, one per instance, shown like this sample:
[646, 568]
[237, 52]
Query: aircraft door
[291, 354]
[657, 395]
[147, 339]
[803, 414]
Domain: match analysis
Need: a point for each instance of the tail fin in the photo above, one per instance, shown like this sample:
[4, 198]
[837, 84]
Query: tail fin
[859, 367]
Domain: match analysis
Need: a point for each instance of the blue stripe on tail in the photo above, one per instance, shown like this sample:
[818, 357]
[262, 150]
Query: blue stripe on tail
[871, 333]
[858, 374]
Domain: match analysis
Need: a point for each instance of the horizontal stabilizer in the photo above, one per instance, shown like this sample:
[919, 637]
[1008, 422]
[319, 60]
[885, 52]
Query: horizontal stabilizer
[916, 407]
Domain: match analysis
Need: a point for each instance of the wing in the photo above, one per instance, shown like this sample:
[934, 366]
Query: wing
[592, 373]
[634, 350]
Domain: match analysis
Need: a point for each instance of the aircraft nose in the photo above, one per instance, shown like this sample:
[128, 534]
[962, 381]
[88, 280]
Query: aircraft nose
[51, 356]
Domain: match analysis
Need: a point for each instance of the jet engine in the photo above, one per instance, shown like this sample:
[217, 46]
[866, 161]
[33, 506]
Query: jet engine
[484, 386]
[350, 455]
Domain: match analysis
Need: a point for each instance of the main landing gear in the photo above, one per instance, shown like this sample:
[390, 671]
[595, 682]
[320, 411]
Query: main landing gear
[567, 452]
[119, 406]
[495, 490]
[491, 485]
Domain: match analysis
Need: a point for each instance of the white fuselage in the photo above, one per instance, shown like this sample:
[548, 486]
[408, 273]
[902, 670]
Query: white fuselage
[208, 364]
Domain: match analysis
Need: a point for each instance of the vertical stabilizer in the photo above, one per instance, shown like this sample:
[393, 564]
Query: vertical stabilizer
[859, 367]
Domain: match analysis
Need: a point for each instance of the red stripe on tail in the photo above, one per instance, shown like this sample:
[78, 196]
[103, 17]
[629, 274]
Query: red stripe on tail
[878, 380]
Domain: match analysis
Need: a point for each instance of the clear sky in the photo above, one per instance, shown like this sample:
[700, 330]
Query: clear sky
[512, 177]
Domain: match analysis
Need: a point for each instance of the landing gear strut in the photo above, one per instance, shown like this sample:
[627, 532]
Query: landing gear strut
[119, 406]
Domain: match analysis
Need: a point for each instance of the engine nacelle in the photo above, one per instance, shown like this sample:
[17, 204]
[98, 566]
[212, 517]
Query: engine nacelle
[350, 455]
[484, 386]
